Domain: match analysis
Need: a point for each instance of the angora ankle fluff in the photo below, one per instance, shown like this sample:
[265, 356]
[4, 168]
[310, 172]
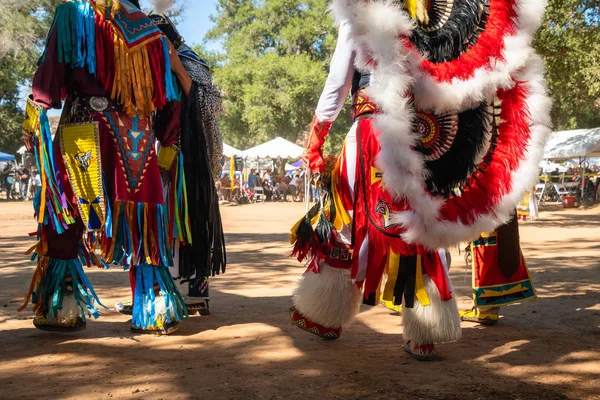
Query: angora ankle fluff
[439, 322]
[328, 298]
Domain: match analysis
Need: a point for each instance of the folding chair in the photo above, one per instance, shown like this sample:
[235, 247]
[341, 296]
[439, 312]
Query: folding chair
[561, 190]
[259, 194]
[540, 191]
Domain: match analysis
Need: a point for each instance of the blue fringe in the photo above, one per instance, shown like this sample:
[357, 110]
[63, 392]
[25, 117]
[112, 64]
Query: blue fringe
[54, 289]
[76, 34]
[169, 86]
[144, 310]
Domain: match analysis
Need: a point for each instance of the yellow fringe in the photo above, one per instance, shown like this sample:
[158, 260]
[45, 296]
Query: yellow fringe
[420, 291]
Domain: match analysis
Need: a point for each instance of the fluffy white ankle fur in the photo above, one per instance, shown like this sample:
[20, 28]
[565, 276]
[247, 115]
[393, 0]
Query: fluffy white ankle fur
[69, 310]
[438, 322]
[328, 298]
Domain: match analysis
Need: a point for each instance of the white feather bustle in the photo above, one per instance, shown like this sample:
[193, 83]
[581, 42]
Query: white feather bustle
[69, 311]
[328, 298]
[439, 322]
[433, 233]
[376, 27]
[160, 6]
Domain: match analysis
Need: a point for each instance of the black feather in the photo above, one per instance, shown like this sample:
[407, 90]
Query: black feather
[454, 167]
[460, 31]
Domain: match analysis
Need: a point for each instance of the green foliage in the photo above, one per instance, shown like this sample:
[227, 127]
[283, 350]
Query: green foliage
[23, 27]
[569, 41]
[272, 68]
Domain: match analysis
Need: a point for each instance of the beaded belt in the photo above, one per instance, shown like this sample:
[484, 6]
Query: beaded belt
[340, 257]
[95, 104]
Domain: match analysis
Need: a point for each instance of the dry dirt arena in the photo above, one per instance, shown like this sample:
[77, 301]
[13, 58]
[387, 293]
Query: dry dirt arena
[248, 349]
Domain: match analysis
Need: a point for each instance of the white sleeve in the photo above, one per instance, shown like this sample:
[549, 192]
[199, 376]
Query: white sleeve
[339, 79]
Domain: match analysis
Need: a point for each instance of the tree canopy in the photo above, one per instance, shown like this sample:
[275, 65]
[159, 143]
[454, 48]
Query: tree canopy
[274, 60]
[272, 67]
[569, 41]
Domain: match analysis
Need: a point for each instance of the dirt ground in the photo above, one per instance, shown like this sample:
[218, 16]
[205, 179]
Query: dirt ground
[248, 349]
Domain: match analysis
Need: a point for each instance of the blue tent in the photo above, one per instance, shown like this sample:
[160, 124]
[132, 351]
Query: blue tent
[6, 157]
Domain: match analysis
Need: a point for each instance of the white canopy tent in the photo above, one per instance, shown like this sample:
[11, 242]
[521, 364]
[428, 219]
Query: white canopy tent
[278, 147]
[549, 166]
[229, 151]
[581, 143]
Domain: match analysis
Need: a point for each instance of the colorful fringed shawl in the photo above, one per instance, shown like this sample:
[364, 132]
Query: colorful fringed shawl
[119, 45]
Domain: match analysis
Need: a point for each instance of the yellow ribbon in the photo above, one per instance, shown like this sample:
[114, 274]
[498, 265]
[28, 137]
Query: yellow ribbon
[420, 291]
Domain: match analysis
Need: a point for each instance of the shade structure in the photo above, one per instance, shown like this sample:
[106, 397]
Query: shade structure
[229, 151]
[6, 157]
[549, 166]
[278, 147]
[573, 144]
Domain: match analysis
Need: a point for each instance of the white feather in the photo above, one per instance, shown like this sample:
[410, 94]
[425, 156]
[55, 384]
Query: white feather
[160, 6]
[328, 298]
[439, 322]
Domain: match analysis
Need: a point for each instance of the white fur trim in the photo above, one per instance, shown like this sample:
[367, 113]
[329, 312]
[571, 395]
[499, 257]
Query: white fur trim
[439, 322]
[328, 298]
[69, 311]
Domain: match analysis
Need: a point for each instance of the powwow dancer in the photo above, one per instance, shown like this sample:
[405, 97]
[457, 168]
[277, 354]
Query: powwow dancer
[200, 157]
[113, 68]
[452, 145]
[500, 274]
[192, 164]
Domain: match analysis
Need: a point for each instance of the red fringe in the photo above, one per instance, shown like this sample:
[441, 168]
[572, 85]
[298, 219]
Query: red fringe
[105, 52]
[433, 267]
[157, 61]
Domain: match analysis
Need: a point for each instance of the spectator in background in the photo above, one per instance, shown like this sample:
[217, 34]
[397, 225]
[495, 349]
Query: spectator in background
[281, 190]
[225, 187]
[252, 180]
[268, 178]
[294, 185]
[268, 189]
[24, 177]
[8, 179]
[36, 183]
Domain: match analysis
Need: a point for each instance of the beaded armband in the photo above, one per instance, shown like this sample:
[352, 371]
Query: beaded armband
[166, 156]
[31, 122]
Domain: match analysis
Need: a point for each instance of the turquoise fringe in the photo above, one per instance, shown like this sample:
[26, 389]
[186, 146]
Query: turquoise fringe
[145, 314]
[76, 35]
[125, 242]
[170, 86]
[54, 289]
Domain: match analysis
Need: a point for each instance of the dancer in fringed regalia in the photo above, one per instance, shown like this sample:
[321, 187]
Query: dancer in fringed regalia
[198, 161]
[500, 274]
[111, 68]
[451, 116]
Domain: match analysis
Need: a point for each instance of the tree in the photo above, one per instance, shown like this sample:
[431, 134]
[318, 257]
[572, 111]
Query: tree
[23, 26]
[569, 41]
[273, 68]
